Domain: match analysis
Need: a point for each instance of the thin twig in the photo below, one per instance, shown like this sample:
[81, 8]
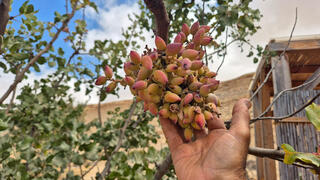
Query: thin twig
[289, 115]
[119, 144]
[228, 123]
[14, 92]
[282, 54]
[225, 52]
[12, 100]
[67, 9]
[202, 16]
[286, 90]
[99, 107]
[100, 119]
[21, 74]
[94, 165]
[225, 46]
[81, 173]
[76, 51]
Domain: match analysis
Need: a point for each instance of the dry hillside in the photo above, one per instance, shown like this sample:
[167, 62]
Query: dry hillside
[229, 92]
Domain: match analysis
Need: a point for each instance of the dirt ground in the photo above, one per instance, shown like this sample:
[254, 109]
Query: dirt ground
[229, 92]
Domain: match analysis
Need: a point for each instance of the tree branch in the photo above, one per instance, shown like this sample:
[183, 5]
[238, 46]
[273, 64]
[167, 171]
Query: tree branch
[21, 74]
[4, 18]
[94, 165]
[4, 15]
[162, 21]
[126, 123]
[163, 168]
[225, 52]
[282, 54]
[279, 156]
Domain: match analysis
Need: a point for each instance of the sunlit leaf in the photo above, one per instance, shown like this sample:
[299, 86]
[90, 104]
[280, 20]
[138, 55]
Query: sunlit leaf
[291, 156]
[3, 125]
[313, 114]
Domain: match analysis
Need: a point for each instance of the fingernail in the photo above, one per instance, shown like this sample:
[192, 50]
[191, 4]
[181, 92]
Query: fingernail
[248, 103]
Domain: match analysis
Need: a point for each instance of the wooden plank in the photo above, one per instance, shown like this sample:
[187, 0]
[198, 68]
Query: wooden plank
[258, 134]
[295, 120]
[300, 76]
[315, 83]
[267, 131]
[281, 74]
[295, 45]
[303, 69]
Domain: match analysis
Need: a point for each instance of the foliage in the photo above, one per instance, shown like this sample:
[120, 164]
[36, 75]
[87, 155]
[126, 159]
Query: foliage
[291, 156]
[313, 114]
[43, 133]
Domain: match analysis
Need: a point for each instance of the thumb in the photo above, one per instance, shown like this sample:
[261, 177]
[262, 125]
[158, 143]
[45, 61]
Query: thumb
[240, 118]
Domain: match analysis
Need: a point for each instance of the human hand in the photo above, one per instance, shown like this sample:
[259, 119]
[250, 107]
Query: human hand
[220, 154]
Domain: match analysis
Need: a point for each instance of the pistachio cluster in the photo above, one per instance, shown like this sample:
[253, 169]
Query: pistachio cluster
[172, 80]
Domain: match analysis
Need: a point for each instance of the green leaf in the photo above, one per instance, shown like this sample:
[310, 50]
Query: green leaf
[3, 66]
[23, 7]
[58, 161]
[64, 146]
[94, 6]
[3, 125]
[30, 9]
[291, 155]
[309, 158]
[52, 63]
[60, 52]
[36, 67]
[313, 114]
[26, 143]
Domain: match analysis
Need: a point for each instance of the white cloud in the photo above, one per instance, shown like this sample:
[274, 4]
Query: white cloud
[278, 19]
[277, 22]
[111, 20]
[7, 79]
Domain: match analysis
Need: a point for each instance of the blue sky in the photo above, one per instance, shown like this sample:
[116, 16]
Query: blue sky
[48, 8]
[277, 22]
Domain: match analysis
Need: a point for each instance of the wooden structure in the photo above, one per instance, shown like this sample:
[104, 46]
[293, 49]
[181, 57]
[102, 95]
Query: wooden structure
[299, 64]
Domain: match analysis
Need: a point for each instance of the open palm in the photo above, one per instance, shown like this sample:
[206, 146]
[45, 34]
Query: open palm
[220, 154]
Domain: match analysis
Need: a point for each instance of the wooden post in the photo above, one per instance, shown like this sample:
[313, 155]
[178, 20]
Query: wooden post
[281, 80]
[281, 74]
[267, 135]
[269, 166]
[258, 135]
[266, 169]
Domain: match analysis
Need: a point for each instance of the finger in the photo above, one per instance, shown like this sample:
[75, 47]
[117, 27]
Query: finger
[200, 133]
[171, 133]
[215, 122]
[240, 118]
